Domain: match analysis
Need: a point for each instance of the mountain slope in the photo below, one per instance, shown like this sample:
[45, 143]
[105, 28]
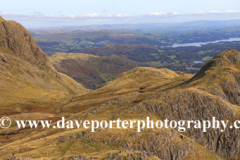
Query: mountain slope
[25, 70]
[89, 70]
[161, 93]
[228, 58]
[134, 95]
[145, 79]
[220, 76]
[1, 19]
[216, 93]
[19, 42]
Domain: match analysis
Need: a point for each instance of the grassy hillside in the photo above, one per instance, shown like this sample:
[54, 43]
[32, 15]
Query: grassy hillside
[89, 70]
[25, 71]
[136, 94]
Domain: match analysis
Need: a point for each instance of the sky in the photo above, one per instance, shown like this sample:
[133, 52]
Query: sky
[53, 13]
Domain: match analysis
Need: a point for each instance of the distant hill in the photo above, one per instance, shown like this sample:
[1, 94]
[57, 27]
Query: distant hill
[181, 26]
[89, 70]
[133, 52]
[137, 52]
[62, 41]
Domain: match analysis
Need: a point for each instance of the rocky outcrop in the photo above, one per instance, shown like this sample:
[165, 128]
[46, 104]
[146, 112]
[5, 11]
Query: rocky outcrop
[192, 105]
[79, 157]
[164, 146]
[24, 65]
[130, 155]
[13, 157]
[1, 19]
[15, 38]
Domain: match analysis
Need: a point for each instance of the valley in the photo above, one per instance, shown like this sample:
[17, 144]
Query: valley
[148, 44]
[90, 70]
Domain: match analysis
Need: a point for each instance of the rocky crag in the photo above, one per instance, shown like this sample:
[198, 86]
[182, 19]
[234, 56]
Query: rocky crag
[25, 70]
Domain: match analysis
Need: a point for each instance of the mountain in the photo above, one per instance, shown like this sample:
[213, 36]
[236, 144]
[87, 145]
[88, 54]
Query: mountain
[227, 58]
[25, 71]
[133, 95]
[89, 70]
[160, 94]
[220, 76]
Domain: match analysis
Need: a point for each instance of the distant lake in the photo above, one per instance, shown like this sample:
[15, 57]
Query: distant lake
[199, 44]
[197, 61]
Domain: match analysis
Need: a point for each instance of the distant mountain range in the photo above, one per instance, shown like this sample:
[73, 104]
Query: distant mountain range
[184, 26]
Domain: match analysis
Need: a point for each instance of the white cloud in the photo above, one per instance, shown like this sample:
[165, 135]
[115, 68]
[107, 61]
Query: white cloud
[68, 16]
[194, 13]
[175, 13]
[122, 15]
[157, 14]
[92, 15]
[231, 11]
[97, 15]
[40, 19]
[40, 15]
[224, 12]
[50, 15]
[197, 12]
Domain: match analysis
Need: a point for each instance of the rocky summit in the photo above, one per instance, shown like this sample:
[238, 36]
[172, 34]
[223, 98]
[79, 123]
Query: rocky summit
[1, 19]
[32, 89]
[16, 39]
[25, 70]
